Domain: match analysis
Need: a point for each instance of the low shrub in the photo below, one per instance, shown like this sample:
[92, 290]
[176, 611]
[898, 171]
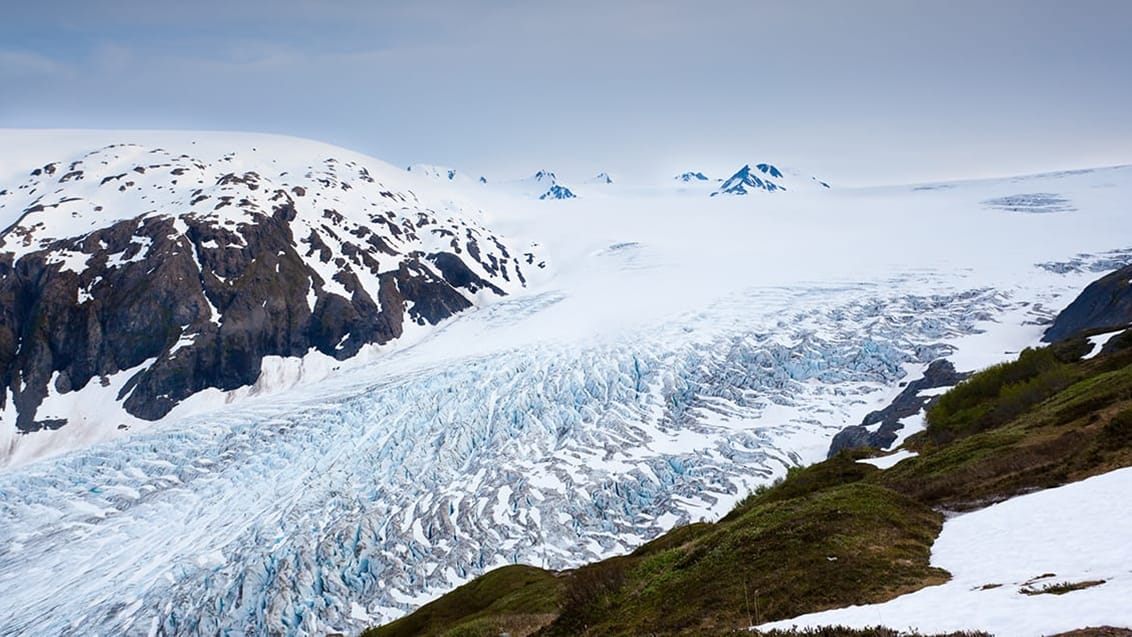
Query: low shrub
[997, 395]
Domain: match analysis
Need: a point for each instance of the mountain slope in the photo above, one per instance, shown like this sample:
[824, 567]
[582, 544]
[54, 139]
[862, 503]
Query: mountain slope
[146, 275]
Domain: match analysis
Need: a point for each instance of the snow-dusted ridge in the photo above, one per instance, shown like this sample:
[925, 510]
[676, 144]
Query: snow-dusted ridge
[188, 270]
[681, 351]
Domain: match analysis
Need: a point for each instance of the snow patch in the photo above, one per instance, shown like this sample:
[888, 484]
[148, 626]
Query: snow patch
[1098, 342]
[1074, 532]
[884, 462]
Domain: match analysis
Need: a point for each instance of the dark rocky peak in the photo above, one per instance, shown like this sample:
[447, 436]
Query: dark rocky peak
[768, 169]
[545, 176]
[557, 191]
[744, 181]
[1104, 303]
[691, 177]
[767, 178]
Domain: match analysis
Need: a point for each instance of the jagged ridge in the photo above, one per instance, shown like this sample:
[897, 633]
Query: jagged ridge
[183, 273]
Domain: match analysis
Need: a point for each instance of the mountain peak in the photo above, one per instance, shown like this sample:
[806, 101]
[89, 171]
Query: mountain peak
[691, 176]
[188, 229]
[557, 191]
[743, 179]
[765, 177]
[601, 178]
[769, 169]
[545, 175]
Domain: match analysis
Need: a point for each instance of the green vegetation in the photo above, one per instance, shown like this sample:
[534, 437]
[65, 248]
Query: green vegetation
[515, 599]
[847, 543]
[1083, 429]
[837, 533]
[1061, 588]
[999, 394]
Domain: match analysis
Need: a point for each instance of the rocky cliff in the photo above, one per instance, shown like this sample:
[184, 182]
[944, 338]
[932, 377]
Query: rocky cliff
[157, 274]
[1105, 303]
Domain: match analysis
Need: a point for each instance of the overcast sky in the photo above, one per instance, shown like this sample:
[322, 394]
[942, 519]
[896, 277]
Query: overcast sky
[861, 92]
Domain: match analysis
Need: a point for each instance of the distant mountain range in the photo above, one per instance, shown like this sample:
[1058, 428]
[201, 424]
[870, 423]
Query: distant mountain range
[545, 184]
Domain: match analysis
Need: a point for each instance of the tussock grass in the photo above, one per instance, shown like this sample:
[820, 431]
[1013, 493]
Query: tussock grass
[516, 599]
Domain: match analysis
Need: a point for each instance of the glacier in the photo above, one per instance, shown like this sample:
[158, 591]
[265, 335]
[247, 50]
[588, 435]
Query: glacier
[285, 516]
[679, 352]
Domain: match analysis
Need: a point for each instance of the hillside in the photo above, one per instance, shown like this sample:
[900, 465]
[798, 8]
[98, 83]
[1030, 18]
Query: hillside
[841, 532]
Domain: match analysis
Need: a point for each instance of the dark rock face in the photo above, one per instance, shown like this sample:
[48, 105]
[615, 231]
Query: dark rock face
[745, 180]
[940, 373]
[195, 293]
[1105, 303]
[557, 191]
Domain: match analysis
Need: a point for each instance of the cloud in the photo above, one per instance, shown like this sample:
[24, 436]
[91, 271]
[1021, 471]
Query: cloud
[21, 63]
[492, 82]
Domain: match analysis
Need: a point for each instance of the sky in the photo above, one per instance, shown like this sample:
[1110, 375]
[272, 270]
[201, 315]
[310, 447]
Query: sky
[866, 92]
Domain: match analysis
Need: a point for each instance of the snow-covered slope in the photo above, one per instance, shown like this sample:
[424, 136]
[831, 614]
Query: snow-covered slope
[136, 276]
[1001, 556]
[444, 173]
[681, 351]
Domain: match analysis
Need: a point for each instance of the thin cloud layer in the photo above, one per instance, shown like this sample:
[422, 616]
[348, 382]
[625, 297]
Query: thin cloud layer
[862, 93]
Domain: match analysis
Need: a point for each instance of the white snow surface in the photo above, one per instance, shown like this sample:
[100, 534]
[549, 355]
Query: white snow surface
[1098, 342]
[891, 460]
[1072, 534]
[678, 352]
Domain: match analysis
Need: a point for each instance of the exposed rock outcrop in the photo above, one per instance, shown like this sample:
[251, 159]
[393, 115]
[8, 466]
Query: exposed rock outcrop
[1105, 303]
[940, 373]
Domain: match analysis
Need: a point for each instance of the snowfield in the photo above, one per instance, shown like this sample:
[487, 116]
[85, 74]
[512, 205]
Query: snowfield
[679, 351]
[1073, 534]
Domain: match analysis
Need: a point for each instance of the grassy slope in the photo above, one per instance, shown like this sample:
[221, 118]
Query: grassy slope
[837, 533]
[1082, 429]
[516, 599]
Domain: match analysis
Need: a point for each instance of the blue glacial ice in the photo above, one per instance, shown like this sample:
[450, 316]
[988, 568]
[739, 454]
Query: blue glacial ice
[335, 507]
